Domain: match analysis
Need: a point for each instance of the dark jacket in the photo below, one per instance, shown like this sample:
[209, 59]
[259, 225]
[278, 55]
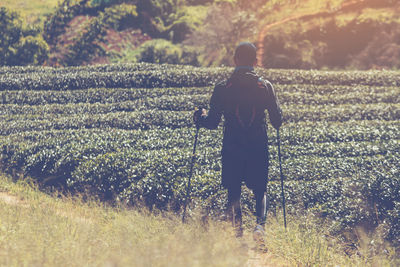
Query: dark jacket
[243, 99]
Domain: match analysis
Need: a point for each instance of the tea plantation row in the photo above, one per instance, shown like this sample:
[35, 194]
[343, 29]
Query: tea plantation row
[125, 132]
[150, 119]
[54, 155]
[150, 76]
[289, 94]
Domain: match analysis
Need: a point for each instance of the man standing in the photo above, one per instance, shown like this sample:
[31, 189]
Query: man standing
[243, 99]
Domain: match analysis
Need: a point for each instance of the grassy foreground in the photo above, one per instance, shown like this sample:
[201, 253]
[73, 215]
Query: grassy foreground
[39, 230]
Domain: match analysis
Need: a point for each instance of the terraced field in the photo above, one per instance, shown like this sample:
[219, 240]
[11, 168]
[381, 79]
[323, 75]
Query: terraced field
[124, 132]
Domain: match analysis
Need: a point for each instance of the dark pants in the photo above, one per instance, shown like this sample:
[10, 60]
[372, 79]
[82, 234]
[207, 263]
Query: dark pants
[234, 210]
[244, 165]
[249, 166]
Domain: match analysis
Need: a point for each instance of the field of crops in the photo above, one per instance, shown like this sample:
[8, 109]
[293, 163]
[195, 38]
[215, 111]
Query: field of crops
[124, 132]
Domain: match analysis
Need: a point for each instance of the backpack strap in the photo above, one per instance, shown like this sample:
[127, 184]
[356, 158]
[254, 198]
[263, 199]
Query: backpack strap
[239, 119]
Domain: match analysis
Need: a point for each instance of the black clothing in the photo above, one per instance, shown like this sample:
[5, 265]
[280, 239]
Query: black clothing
[243, 99]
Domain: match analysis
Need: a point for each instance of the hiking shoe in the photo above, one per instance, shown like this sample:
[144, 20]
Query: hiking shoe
[259, 238]
[258, 233]
[239, 232]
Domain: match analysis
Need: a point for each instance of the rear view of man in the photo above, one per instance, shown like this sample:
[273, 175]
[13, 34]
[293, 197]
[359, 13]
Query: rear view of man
[243, 99]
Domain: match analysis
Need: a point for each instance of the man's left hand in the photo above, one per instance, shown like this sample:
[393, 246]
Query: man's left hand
[198, 114]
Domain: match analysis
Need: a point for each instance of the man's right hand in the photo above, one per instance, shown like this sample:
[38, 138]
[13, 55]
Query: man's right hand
[198, 114]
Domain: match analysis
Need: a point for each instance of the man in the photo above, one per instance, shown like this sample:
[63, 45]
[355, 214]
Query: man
[243, 99]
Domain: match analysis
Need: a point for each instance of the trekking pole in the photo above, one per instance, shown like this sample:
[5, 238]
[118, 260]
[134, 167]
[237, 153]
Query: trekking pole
[190, 174]
[280, 168]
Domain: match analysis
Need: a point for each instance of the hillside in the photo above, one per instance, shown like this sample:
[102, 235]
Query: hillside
[33, 11]
[337, 34]
[307, 34]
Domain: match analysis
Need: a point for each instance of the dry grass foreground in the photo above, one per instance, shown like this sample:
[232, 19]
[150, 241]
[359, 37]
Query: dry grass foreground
[39, 230]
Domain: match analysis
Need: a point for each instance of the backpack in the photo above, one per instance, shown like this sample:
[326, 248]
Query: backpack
[244, 106]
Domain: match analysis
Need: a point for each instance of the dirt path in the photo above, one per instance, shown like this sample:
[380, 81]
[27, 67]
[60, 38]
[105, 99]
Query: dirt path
[327, 12]
[261, 259]
[12, 200]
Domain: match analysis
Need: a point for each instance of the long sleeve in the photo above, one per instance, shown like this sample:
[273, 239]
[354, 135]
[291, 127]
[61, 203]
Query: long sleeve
[214, 115]
[273, 107]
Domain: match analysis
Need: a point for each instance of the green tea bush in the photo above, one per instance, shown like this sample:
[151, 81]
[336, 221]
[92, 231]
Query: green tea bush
[289, 95]
[151, 76]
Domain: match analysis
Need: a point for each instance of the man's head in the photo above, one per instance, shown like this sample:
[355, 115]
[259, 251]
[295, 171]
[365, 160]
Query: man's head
[245, 54]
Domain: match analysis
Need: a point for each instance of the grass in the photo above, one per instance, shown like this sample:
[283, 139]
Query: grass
[39, 229]
[33, 11]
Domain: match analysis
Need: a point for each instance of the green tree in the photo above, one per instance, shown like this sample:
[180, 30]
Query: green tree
[165, 19]
[19, 45]
[56, 22]
[161, 51]
[86, 45]
[224, 27]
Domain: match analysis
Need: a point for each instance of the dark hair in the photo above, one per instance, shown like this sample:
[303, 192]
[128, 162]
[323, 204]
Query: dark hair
[245, 53]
